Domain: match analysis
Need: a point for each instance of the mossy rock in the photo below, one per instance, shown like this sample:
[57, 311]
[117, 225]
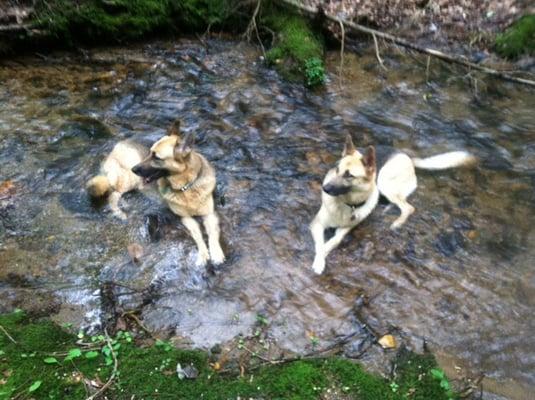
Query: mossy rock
[297, 52]
[518, 39]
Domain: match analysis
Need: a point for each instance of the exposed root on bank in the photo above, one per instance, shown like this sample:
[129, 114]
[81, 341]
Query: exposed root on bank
[253, 27]
[341, 52]
[405, 43]
[377, 55]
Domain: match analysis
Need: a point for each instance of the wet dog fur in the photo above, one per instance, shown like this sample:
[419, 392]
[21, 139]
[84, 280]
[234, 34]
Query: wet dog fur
[186, 182]
[351, 190]
[116, 176]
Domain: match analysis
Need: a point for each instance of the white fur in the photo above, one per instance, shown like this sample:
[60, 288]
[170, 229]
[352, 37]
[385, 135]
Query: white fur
[443, 161]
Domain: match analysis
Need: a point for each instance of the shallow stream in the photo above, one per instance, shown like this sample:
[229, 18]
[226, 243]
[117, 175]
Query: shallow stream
[460, 275]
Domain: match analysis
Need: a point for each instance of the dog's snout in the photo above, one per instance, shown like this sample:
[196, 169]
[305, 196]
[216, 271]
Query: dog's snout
[137, 169]
[335, 190]
[327, 188]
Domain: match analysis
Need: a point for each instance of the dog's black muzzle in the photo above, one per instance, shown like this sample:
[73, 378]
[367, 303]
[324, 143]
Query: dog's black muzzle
[334, 190]
[149, 174]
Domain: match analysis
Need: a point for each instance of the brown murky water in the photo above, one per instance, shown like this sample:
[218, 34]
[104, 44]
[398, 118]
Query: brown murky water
[460, 275]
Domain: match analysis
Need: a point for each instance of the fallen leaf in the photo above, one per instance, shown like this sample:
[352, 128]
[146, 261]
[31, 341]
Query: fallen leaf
[215, 366]
[388, 342]
[3, 381]
[7, 188]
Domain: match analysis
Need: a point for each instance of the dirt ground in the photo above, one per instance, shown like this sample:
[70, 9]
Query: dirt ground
[437, 22]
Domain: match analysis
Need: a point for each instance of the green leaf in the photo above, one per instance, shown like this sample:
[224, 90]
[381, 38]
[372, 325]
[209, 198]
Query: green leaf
[73, 353]
[444, 384]
[91, 354]
[437, 373]
[35, 386]
[2, 352]
[50, 360]
[106, 350]
[109, 361]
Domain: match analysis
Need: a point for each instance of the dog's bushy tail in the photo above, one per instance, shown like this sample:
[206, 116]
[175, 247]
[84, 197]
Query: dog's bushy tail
[98, 186]
[444, 161]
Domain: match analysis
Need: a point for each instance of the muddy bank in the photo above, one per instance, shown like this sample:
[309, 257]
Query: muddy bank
[458, 276]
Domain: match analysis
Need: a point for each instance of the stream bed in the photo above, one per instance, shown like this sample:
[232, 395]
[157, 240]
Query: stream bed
[459, 276]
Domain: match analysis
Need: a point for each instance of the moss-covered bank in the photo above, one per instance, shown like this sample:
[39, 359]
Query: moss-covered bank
[518, 39]
[44, 361]
[297, 51]
[109, 21]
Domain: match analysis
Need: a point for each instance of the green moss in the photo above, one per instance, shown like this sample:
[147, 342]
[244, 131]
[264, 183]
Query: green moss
[297, 52]
[198, 15]
[150, 372]
[518, 39]
[92, 21]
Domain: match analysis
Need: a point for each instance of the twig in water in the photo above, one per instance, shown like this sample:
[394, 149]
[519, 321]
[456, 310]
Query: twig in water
[7, 334]
[427, 68]
[114, 372]
[131, 314]
[377, 52]
[341, 52]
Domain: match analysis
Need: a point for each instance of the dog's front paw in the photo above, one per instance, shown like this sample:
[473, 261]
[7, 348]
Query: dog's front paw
[119, 214]
[202, 258]
[217, 256]
[396, 225]
[318, 266]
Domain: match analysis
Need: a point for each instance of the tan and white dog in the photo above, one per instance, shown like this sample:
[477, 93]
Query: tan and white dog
[186, 181]
[351, 190]
[116, 176]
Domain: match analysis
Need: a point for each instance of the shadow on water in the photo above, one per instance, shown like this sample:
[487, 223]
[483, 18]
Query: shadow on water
[459, 275]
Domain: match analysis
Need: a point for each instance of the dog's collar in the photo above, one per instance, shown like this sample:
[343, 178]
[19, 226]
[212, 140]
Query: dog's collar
[184, 188]
[355, 206]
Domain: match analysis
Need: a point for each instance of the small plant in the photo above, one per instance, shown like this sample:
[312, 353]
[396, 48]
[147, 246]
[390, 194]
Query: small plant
[394, 387]
[314, 72]
[262, 320]
[444, 383]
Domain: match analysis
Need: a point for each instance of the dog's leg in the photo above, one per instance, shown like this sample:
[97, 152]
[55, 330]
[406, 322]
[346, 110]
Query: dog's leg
[195, 231]
[404, 206]
[333, 242]
[318, 230]
[211, 224]
[114, 205]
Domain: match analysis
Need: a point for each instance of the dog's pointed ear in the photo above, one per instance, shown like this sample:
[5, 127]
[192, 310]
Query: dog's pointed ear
[349, 147]
[174, 128]
[369, 160]
[184, 147]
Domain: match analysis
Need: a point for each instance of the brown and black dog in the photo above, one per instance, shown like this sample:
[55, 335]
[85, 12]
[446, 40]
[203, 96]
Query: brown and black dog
[186, 181]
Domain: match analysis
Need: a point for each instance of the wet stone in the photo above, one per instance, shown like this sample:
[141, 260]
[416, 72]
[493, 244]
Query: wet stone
[448, 243]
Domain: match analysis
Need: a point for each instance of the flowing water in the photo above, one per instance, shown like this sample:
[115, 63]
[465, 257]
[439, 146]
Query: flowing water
[460, 275]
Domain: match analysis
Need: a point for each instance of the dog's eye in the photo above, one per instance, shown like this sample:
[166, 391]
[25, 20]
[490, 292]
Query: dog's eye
[348, 175]
[155, 157]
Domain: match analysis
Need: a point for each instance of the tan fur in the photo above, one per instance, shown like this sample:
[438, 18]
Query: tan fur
[356, 173]
[187, 190]
[116, 176]
[98, 186]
